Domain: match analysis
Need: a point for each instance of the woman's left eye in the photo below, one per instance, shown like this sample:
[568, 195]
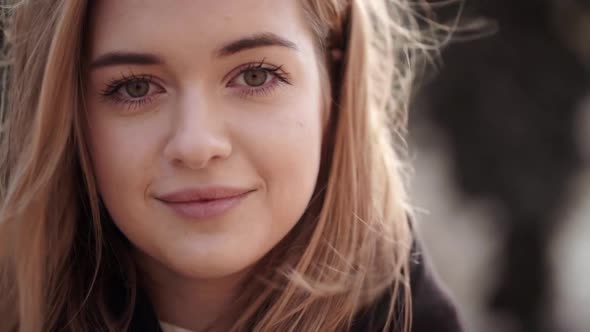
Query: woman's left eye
[254, 77]
[258, 79]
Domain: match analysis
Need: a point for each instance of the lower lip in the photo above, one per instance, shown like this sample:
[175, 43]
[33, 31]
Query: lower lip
[205, 209]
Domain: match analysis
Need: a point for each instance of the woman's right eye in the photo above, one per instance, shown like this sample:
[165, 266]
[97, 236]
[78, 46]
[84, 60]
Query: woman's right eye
[132, 91]
[137, 89]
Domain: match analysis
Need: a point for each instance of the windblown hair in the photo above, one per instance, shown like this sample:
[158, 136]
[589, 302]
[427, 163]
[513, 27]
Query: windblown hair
[60, 254]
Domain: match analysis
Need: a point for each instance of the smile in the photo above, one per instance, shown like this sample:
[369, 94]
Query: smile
[204, 203]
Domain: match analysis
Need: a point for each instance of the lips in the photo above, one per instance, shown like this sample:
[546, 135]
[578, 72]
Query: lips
[204, 203]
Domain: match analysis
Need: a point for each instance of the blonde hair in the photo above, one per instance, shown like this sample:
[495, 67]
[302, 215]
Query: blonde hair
[58, 254]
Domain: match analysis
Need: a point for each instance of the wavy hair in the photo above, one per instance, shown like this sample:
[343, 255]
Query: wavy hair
[60, 255]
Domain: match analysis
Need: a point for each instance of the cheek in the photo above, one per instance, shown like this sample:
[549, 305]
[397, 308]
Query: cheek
[122, 157]
[287, 149]
[296, 160]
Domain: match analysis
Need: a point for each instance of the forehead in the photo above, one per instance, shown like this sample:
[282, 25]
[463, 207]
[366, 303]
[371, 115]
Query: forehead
[203, 24]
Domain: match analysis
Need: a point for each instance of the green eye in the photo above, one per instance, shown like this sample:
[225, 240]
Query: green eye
[255, 77]
[137, 88]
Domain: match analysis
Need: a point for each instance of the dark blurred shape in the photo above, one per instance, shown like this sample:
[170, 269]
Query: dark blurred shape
[507, 105]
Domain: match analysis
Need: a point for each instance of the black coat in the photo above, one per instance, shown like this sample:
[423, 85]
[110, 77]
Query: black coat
[432, 309]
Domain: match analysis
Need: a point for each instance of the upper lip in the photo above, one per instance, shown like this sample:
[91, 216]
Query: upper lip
[202, 194]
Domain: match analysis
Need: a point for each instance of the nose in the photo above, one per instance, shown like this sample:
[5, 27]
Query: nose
[198, 135]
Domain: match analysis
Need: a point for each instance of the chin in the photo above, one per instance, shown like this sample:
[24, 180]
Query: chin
[213, 266]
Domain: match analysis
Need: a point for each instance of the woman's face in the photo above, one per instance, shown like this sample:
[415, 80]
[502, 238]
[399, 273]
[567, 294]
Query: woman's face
[204, 127]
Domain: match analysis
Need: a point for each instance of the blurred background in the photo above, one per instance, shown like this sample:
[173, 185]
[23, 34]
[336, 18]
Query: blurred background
[500, 145]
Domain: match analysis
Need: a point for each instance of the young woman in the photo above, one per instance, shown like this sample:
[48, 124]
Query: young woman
[209, 166]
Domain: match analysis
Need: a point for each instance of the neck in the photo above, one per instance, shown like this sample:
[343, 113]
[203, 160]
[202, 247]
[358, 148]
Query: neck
[195, 304]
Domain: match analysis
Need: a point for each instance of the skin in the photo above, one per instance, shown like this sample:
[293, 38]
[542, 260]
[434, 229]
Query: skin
[201, 124]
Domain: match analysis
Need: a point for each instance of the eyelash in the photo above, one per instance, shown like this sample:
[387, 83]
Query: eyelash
[112, 91]
[278, 77]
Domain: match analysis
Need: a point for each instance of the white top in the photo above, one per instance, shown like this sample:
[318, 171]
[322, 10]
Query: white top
[167, 327]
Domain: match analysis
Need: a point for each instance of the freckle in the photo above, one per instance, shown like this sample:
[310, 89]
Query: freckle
[300, 124]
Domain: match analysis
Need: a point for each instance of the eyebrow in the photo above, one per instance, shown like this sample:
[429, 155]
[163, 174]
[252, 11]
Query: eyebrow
[254, 41]
[125, 58]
